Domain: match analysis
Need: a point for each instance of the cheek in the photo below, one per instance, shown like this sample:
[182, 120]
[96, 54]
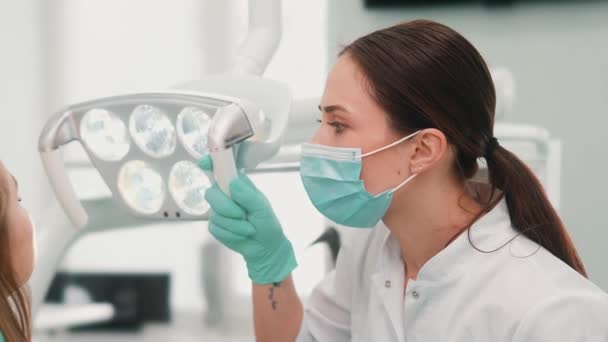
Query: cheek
[22, 247]
[383, 171]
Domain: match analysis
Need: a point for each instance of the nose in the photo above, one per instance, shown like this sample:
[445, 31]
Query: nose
[317, 137]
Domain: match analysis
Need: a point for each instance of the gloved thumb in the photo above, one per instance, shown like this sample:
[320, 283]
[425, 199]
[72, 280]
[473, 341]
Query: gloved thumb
[205, 163]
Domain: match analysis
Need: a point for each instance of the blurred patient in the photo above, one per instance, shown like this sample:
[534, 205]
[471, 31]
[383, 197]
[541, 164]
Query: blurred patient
[16, 261]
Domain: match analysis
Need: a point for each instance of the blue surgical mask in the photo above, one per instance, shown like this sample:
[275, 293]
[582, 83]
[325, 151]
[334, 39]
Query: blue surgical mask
[332, 179]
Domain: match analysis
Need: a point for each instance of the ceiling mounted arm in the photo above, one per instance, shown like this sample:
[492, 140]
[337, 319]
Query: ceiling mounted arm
[263, 37]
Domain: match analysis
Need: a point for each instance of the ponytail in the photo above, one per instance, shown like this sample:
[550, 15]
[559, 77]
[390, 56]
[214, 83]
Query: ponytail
[529, 208]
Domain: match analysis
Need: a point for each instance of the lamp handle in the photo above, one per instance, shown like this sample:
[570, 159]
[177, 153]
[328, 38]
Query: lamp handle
[224, 168]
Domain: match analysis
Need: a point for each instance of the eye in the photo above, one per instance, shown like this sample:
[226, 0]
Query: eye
[338, 127]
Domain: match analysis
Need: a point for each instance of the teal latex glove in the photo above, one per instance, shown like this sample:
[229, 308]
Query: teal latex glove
[247, 224]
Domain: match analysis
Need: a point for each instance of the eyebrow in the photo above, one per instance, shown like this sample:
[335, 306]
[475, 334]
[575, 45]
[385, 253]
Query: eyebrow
[332, 108]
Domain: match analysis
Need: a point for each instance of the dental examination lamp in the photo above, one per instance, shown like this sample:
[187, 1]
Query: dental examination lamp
[146, 145]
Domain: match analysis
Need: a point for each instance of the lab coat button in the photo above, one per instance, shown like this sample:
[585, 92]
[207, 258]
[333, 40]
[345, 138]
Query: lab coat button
[415, 294]
[387, 284]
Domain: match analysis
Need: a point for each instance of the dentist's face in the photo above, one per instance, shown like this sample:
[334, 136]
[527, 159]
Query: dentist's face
[16, 229]
[350, 117]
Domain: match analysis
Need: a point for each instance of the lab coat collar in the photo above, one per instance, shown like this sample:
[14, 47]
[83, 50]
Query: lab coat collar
[491, 231]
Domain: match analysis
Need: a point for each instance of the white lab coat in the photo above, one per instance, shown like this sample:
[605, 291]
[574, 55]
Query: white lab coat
[518, 293]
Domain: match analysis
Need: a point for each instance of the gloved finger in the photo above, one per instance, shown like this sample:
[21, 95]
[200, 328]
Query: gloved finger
[246, 195]
[205, 163]
[222, 204]
[226, 237]
[247, 180]
[238, 227]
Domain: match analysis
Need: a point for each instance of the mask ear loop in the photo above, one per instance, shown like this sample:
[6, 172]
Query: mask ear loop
[407, 180]
[390, 145]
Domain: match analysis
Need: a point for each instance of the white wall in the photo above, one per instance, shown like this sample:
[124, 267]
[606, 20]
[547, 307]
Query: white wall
[22, 84]
[558, 54]
[99, 48]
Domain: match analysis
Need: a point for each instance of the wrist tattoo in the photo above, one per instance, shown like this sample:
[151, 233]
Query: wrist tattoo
[273, 302]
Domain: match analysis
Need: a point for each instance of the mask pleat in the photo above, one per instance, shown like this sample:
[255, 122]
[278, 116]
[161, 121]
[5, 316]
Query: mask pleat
[331, 194]
[356, 211]
[330, 169]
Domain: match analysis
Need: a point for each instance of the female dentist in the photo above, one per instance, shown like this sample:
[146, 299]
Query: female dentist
[406, 114]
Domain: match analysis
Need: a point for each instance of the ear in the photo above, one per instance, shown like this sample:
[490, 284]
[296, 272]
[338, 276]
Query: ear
[430, 147]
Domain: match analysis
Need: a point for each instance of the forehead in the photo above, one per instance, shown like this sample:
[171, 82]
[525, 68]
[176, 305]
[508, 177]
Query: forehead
[5, 177]
[3, 171]
[346, 84]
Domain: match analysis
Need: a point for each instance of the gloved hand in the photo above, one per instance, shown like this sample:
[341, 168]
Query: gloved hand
[247, 224]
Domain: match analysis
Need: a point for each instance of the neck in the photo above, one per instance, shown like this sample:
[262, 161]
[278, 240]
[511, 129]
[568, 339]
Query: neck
[425, 223]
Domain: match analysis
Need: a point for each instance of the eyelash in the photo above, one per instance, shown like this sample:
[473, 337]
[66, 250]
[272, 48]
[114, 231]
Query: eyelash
[338, 127]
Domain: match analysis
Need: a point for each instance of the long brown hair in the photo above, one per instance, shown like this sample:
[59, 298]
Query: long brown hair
[426, 75]
[14, 298]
